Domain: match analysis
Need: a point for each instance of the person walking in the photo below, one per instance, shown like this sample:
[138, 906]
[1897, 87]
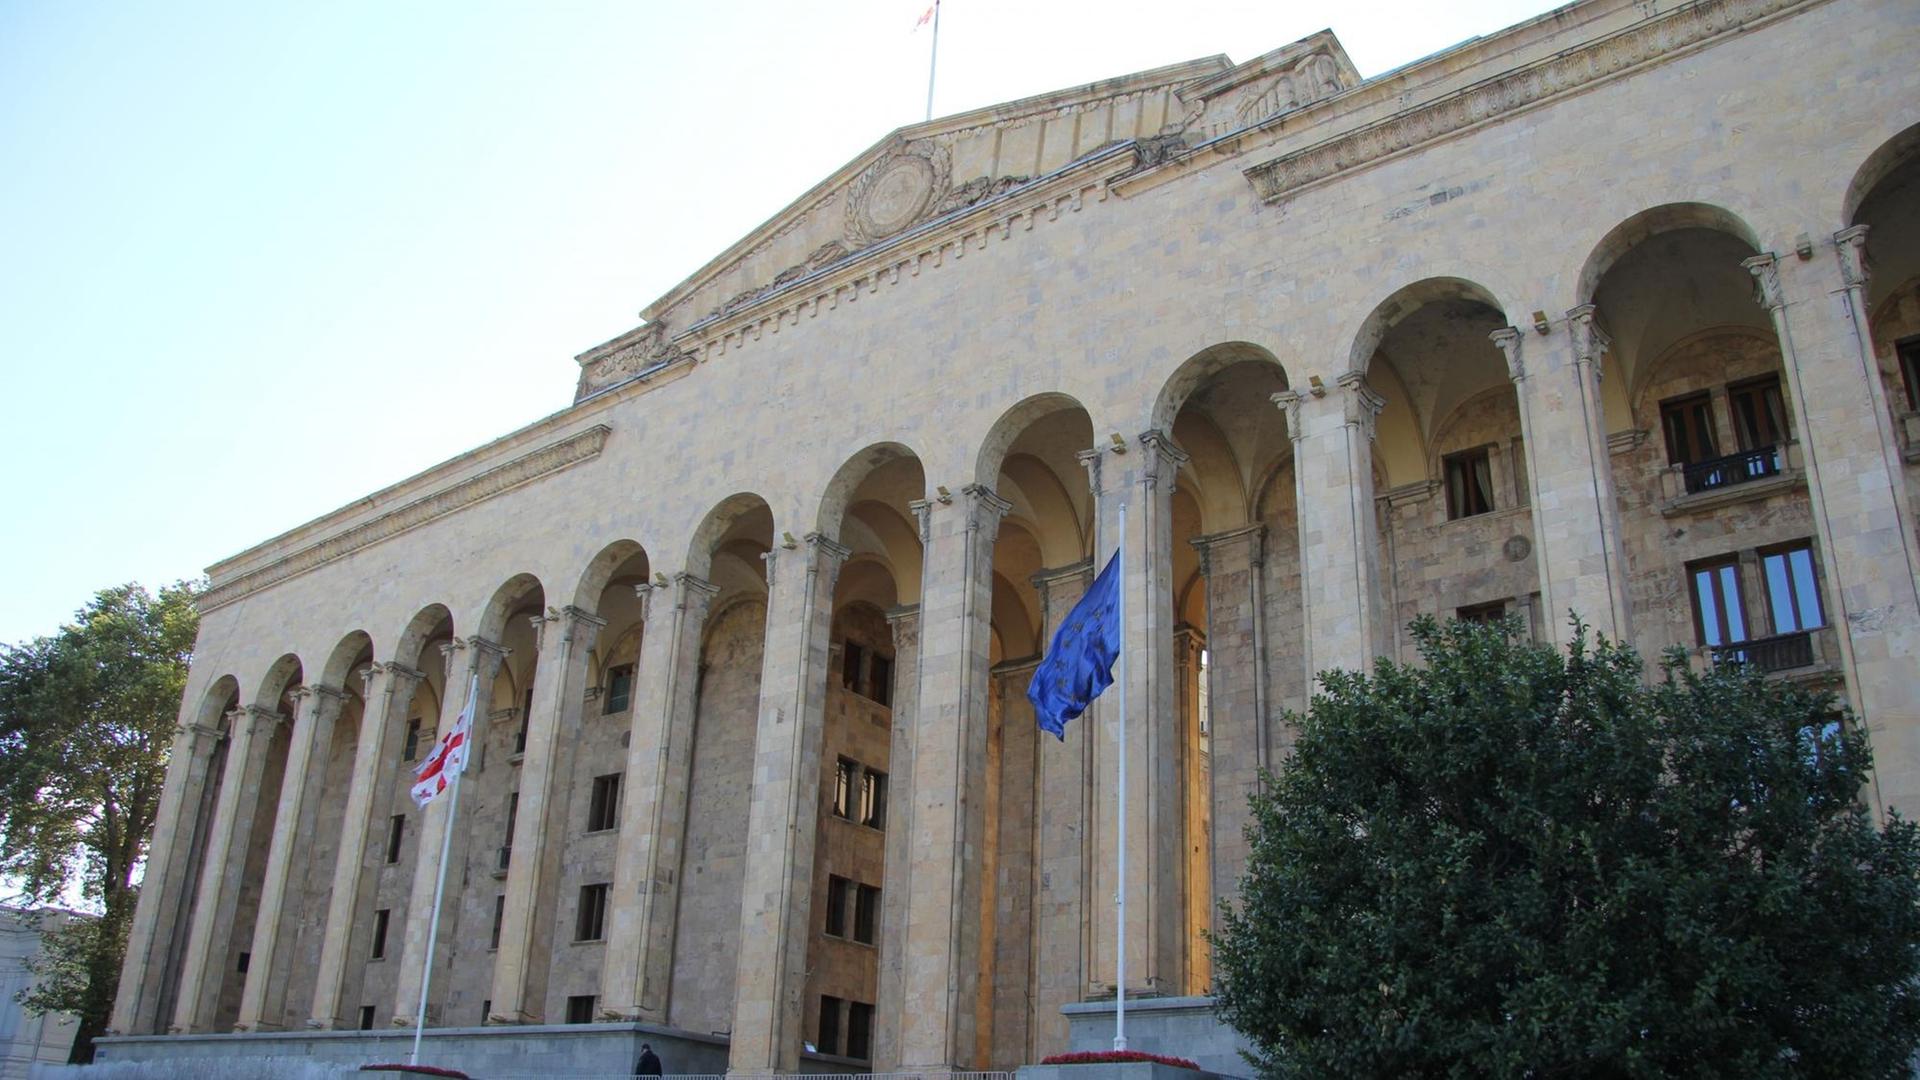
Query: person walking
[649, 1063]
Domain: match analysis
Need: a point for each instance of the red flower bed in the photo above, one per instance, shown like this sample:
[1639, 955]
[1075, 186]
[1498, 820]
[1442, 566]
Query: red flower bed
[417, 1070]
[1117, 1057]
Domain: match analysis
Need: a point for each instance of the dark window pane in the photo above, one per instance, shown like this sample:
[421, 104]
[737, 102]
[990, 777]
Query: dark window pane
[619, 689]
[366, 1018]
[380, 933]
[850, 663]
[829, 1040]
[580, 1009]
[499, 917]
[603, 808]
[1759, 419]
[837, 906]
[866, 914]
[396, 832]
[873, 799]
[1688, 422]
[882, 690]
[1469, 484]
[412, 747]
[859, 1030]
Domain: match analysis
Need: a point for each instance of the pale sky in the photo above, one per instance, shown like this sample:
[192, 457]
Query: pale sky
[258, 260]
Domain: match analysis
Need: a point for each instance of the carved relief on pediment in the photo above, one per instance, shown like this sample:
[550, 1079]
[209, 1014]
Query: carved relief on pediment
[650, 350]
[1314, 77]
[897, 192]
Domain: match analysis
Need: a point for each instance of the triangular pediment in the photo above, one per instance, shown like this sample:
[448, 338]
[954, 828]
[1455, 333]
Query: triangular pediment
[924, 172]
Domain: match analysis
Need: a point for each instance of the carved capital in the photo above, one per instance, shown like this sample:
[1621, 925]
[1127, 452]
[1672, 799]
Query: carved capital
[579, 628]
[1362, 404]
[1508, 340]
[904, 621]
[1288, 402]
[984, 511]
[923, 517]
[397, 676]
[1163, 461]
[1850, 244]
[1221, 544]
[486, 657]
[692, 594]
[1090, 460]
[1590, 343]
[260, 721]
[1766, 275]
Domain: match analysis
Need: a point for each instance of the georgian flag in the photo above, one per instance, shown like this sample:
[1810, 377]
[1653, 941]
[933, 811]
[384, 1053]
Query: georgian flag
[449, 757]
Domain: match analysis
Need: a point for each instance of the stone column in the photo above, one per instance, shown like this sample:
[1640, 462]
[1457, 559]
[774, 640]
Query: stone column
[783, 814]
[389, 694]
[1576, 514]
[520, 968]
[166, 893]
[263, 997]
[249, 733]
[1156, 814]
[465, 658]
[942, 958]
[1231, 563]
[1004, 1039]
[637, 970]
[1340, 581]
[1063, 899]
[1856, 477]
[889, 1008]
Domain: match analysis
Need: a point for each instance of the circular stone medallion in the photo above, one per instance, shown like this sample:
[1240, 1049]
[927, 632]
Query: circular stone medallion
[896, 193]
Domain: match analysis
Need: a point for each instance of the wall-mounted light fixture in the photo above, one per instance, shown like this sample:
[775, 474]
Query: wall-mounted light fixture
[1540, 323]
[941, 493]
[1119, 444]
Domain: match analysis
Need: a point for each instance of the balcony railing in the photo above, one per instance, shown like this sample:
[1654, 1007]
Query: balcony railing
[1782, 652]
[1756, 464]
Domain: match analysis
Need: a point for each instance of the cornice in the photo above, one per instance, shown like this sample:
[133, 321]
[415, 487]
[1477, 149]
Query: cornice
[526, 468]
[1646, 42]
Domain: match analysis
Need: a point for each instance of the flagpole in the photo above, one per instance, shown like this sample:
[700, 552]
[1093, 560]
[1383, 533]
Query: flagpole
[439, 888]
[934, 61]
[1120, 804]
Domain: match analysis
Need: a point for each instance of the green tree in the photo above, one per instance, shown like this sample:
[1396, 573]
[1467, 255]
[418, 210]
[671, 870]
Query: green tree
[1512, 862]
[86, 719]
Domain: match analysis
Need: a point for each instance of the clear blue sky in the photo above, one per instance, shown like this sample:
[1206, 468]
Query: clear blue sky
[260, 259]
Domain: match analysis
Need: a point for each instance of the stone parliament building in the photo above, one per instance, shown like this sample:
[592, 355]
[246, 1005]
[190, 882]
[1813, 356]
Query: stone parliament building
[1616, 311]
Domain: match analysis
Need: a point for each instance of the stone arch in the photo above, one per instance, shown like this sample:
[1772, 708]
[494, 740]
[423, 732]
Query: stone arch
[716, 525]
[510, 595]
[419, 630]
[615, 557]
[1405, 301]
[839, 495]
[216, 701]
[1880, 164]
[282, 675]
[1648, 223]
[341, 660]
[1012, 423]
[1645, 378]
[1199, 368]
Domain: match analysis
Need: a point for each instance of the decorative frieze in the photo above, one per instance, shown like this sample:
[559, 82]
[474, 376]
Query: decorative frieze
[498, 480]
[1510, 93]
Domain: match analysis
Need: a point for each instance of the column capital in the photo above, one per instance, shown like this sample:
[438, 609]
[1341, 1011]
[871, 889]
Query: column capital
[693, 593]
[1850, 245]
[1163, 459]
[1048, 577]
[395, 673]
[984, 510]
[1253, 537]
[922, 517]
[1590, 342]
[323, 695]
[902, 615]
[1288, 402]
[1766, 274]
[1363, 405]
[486, 652]
[1090, 460]
[1507, 340]
[258, 717]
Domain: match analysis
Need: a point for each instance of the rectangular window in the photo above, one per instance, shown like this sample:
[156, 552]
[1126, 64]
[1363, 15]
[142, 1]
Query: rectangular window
[412, 747]
[829, 1040]
[1718, 615]
[1909, 351]
[580, 1009]
[486, 1010]
[859, 1030]
[619, 689]
[843, 773]
[380, 933]
[1759, 419]
[882, 691]
[850, 663]
[247, 958]
[1469, 484]
[1793, 590]
[396, 831]
[591, 922]
[603, 809]
[837, 906]
[1688, 423]
[873, 799]
[513, 818]
[866, 913]
[366, 1018]
[499, 918]
[1482, 613]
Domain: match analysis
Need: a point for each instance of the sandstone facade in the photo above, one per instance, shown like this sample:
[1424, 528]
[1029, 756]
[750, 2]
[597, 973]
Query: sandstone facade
[1577, 317]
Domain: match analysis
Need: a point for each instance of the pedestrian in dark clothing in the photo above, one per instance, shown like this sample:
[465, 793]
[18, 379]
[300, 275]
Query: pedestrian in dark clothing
[649, 1063]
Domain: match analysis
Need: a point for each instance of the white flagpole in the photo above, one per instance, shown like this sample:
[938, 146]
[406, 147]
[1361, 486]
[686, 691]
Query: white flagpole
[1120, 803]
[439, 887]
[934, 61]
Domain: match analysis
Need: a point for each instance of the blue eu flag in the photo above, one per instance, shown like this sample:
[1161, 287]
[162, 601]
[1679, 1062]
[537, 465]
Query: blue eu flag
[1080, 663]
